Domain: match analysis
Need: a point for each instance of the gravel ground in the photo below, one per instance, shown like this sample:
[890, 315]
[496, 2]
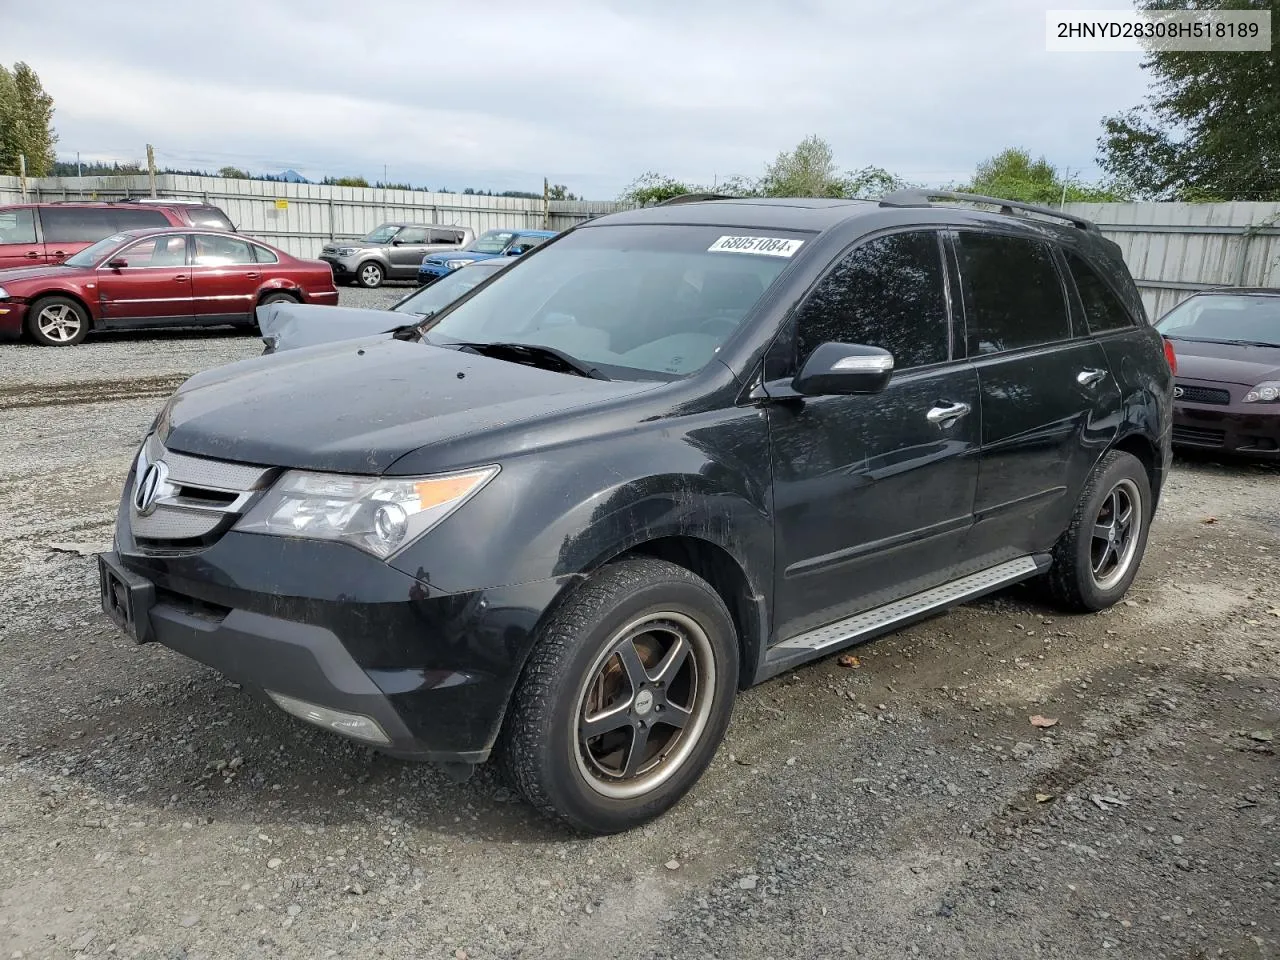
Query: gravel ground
[904, 806]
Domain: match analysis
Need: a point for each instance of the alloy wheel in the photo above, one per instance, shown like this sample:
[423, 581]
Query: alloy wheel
[644, 705]
[1116, 531]
[59, 323]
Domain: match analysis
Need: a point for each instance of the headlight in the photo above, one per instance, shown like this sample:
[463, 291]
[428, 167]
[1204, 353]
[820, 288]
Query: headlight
[377, 514]
[346, 251]
[1266, 392]
[455, 264]
[4, 294]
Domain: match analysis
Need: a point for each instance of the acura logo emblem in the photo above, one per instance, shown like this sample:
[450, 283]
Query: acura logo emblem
[151, 487]
[1177, 391]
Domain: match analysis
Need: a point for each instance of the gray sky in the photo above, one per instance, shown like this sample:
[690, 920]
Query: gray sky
[499, 94]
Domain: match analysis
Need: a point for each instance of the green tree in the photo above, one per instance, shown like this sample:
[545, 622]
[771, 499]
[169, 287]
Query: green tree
[1012, 174]
[807, 171]
[871, 183]
[1209, 128]
[558, 191]
[345, 181]
[653, 187]
[26, 122]
[233, 173]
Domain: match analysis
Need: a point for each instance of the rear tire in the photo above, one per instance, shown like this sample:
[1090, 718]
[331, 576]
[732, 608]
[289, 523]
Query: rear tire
[1097, 558]
[645, 653]
[57, 322]
[370, 275]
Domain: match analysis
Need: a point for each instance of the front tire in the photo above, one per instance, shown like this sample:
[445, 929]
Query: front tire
[370, 275]
[1097, 558]
[57, 322]
[625, 698]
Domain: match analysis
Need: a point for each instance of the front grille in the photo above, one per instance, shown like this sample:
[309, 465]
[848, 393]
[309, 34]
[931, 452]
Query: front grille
[194, 499]
[1199, 436]
[1201, 394]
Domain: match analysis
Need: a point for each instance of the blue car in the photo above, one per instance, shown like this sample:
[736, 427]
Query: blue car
[493, 243]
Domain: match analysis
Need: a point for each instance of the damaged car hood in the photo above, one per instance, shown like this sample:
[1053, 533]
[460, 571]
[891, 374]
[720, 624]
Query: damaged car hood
[357, 406]
[287, 326]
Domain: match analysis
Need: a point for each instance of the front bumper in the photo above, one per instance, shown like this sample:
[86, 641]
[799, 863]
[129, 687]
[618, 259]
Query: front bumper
[1247, 429]
[326, 624]
[342, 266]
[13, 314]
[431, 272]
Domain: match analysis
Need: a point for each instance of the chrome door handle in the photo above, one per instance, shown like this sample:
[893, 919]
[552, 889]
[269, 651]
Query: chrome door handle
[252, 276]
[945, 414]
[180, 277]
[1087, 378]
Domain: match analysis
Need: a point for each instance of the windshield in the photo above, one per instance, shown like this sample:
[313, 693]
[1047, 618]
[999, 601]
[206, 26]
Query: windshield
[444, 291]
[383, 234]
[90, 256]
[1225, 317]
[639, 302]
[495, 241]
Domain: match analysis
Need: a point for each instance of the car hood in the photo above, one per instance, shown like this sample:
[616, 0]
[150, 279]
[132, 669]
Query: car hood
[441, 258]
[358, 406]
[15, 275]
[1226, 362]
[291, 325]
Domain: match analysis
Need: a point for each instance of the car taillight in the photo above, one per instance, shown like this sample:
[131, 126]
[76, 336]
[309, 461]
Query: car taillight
[1170, 357]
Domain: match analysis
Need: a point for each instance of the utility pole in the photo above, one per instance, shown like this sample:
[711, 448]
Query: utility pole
[151, 168]
[22, 175]
[1066, 179]
[79, 170]
[546, 204]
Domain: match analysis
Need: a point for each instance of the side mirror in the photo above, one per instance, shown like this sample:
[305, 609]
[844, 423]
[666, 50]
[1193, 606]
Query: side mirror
[115, 263]
[515, 251]
[842, 369]
[397, 243]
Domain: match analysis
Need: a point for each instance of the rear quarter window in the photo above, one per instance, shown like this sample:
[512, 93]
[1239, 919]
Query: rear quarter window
[1103, 308]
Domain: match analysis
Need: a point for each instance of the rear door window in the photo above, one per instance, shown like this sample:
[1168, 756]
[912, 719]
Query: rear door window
[1013, 295]
[216, 251]
[888, 293]
[137, 219]
[77, 224]
[166, 250]
[1103, 309]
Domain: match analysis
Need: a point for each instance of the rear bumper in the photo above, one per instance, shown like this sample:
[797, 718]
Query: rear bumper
[13, 315]
[1247, 429]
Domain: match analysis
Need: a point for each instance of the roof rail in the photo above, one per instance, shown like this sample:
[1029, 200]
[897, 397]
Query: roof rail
[693, 198]
[922, 198]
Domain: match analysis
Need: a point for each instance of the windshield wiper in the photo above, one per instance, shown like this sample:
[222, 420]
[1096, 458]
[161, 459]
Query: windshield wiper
[548, 358]
[1233, 343]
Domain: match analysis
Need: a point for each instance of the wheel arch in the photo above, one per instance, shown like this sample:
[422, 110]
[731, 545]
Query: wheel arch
[1141, 447]
[34, 301]
[716, 565]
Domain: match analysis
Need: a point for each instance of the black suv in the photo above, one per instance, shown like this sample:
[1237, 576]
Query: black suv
[669, 454]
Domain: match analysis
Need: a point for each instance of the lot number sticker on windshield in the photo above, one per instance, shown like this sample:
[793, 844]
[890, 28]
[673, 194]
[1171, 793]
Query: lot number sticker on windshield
[763, 246]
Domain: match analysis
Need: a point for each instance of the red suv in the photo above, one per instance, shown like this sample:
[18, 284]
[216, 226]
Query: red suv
[177, 276]
[33, 233]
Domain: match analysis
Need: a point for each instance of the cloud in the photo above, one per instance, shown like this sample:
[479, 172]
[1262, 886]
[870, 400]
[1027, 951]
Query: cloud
[589, 94]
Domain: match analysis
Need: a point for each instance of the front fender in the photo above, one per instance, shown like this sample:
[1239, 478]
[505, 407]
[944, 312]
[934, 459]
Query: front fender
[555, 512]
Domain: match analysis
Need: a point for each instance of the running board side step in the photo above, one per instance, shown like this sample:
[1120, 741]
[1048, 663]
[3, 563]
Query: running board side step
[863, 626]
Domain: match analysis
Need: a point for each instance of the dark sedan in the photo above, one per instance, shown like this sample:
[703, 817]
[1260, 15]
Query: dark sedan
[1227, 395]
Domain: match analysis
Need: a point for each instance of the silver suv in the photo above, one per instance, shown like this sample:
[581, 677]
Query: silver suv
[391, 252]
